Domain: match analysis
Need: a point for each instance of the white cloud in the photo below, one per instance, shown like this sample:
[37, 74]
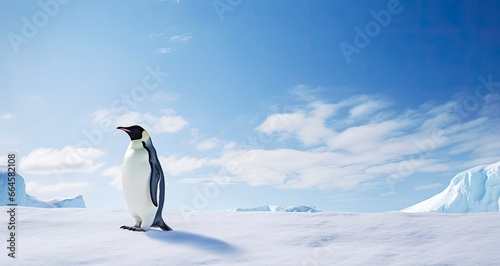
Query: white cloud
[429, 186]
[491, 107]
[307, 125]
[165, 50]
[36, 188]
[169, 122]
[116, 173]
[194, 132]
[229, 145]
[70, 159]
[178, 166]
[6, 116]
[305, 92]
[166, 122]
[368, 106]
[181, 39]
[166, 32]
[289, 168]
[176, 41]
[207, 144]
[366, 137]
[172, 1]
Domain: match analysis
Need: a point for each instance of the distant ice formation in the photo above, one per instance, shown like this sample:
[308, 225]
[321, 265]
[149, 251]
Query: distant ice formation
[270, 208]
[473, 190]
[23, 199]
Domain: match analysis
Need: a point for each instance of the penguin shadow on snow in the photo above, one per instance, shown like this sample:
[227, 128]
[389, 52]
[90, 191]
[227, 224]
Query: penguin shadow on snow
[194, 240]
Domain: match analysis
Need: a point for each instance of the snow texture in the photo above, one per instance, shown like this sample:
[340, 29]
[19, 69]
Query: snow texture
[271, 208]
[23, 199]
[473, 190]
[69, 236]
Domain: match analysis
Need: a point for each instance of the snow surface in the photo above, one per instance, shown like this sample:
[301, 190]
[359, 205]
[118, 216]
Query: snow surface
[473, 190]
[70, 236]
[272, 208]
[24, 199]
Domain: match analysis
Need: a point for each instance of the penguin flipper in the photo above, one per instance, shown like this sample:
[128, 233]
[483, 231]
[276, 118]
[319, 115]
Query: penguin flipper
[156, 172]
[156, 176]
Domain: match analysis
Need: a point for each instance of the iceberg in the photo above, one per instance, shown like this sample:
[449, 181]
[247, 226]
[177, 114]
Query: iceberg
[473, 190]
[23, 199]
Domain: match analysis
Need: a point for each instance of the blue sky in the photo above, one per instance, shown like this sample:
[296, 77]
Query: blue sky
[252, 102]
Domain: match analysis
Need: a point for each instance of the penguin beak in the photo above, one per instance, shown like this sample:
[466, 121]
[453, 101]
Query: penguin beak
[124, 129]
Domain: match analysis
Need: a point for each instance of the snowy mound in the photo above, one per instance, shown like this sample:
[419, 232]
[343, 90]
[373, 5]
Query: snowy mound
[23, 199]
[267, 208]
[473, 190]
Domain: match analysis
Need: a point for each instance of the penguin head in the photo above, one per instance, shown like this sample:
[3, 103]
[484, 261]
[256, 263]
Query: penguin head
[135, 132]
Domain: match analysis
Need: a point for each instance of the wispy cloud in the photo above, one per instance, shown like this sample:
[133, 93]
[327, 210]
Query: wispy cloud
[6, 117]
[429, 186]
[36, 188]
[304, 92]
[167, 121]
[115, 172]
[177, 166]
[207, 144]
[175, 42]
[367, 106]
[165, 32]
[181, 39]
[171, 1]
[70, 159]
[165, 50]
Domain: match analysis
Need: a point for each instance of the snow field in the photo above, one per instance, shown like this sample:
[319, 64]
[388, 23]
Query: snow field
[93, 237]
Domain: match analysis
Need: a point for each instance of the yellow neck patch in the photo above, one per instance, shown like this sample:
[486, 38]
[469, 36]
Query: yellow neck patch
[145, 135]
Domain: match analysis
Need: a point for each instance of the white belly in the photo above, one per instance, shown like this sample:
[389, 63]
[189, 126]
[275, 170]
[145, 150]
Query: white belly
[135, 180]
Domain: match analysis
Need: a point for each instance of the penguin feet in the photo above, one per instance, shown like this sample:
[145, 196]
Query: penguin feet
[133, 228]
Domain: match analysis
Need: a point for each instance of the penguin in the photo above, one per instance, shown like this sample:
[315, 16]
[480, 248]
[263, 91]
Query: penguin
[142, 176]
